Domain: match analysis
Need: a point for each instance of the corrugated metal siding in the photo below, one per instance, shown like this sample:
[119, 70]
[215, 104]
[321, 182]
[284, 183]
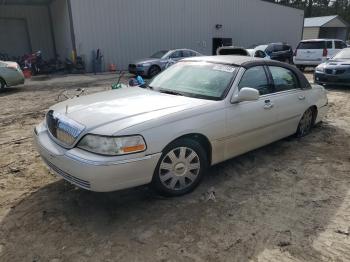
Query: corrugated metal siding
[37, 18]
[129, 29]
[311, 33]
[61, 28]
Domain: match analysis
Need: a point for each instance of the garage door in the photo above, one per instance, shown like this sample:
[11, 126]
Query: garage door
[14, 39]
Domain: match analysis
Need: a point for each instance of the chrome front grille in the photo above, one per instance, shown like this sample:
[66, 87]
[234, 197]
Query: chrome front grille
[74, 180]
[65, 130]
[335, 71]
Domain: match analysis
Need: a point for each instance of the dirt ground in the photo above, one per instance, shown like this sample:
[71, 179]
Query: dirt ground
[289, 201]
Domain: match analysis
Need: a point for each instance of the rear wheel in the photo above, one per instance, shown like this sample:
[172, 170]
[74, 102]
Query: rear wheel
[180, 168]
[153, 71]
[306, 123]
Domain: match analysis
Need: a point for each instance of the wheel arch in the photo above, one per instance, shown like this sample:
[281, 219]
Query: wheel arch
[315, 113]
[201, 139]
[2, 79]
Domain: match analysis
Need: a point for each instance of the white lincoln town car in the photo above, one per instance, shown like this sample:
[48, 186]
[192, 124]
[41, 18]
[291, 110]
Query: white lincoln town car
[199, 112]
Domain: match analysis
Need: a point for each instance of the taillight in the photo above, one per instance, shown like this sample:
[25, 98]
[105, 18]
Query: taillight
[295, 52]
[325, 52]
[13, 66]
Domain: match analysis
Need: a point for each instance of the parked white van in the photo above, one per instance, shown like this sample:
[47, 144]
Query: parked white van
[316, 51]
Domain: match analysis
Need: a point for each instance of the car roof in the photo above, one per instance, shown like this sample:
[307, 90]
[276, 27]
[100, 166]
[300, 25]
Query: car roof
[317, 40]
[222, 59]
[248, 62]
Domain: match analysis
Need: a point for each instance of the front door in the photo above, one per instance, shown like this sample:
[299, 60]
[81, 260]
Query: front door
[251, 124]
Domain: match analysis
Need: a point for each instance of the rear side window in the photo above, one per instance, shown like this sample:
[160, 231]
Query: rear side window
[278, 48]
[176, 54]
[255, 77]
[283, 79]
[312, 45]
[339, 45]
[188, 53]
[329, 44]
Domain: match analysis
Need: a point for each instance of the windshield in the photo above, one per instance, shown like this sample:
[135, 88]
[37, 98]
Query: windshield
[195, 79]
[312, 45]
[159, 54]
[261, 47]
[344, 54]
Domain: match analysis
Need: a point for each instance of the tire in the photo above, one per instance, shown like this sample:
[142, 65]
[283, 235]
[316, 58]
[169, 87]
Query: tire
[153, 71]
[180, 168]
[2, 83]
[306, 123]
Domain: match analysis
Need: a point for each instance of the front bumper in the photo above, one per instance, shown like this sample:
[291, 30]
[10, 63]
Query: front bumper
[306, 62]
[93, 172]
[323, 78]
[135, 70]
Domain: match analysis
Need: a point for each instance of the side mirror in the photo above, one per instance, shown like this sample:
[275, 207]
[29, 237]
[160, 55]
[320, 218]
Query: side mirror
[246, 94]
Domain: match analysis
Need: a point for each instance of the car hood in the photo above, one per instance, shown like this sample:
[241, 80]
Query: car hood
[128, 106]
[146, 60]
[338, 62]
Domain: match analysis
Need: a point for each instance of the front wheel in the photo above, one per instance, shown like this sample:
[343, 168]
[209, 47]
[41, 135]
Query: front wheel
[306, 123]
[153, 71]
[180, 168]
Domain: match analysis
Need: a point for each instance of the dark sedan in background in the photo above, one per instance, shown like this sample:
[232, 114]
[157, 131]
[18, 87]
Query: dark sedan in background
[153, 65]
[277, 51]
[335, 71]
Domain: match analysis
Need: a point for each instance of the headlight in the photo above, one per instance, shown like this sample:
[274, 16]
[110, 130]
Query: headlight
[321, 68]
[112, 146]
[144, 65]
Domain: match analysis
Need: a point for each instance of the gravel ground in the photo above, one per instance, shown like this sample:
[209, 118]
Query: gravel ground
[289, 201]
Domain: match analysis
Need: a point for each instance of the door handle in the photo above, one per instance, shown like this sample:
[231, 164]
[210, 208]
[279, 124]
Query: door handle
[301, 97]
[268, 105]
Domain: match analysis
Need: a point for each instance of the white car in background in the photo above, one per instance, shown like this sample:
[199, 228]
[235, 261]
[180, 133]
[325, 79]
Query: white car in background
[316, 51]
[10, 74]
[197, 113]
[259, 52]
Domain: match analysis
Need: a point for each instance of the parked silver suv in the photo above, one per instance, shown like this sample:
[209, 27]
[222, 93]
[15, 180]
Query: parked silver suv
[153, 65]
[316, 51]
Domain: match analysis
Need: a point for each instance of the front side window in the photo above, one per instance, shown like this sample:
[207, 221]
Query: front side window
[283, 79]
[339, 45]
[329, 45]
[188, 53]
[195, 79]
[159, 54]
[255, 77]
[176, 54]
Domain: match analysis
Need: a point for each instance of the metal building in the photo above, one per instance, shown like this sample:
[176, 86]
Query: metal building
[325, 27]
[128, 29]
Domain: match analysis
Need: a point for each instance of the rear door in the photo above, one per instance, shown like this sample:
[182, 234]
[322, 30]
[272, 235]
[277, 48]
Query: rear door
[289, 98]
[310, 50]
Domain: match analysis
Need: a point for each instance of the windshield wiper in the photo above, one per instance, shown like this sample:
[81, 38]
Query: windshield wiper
[170, 92]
